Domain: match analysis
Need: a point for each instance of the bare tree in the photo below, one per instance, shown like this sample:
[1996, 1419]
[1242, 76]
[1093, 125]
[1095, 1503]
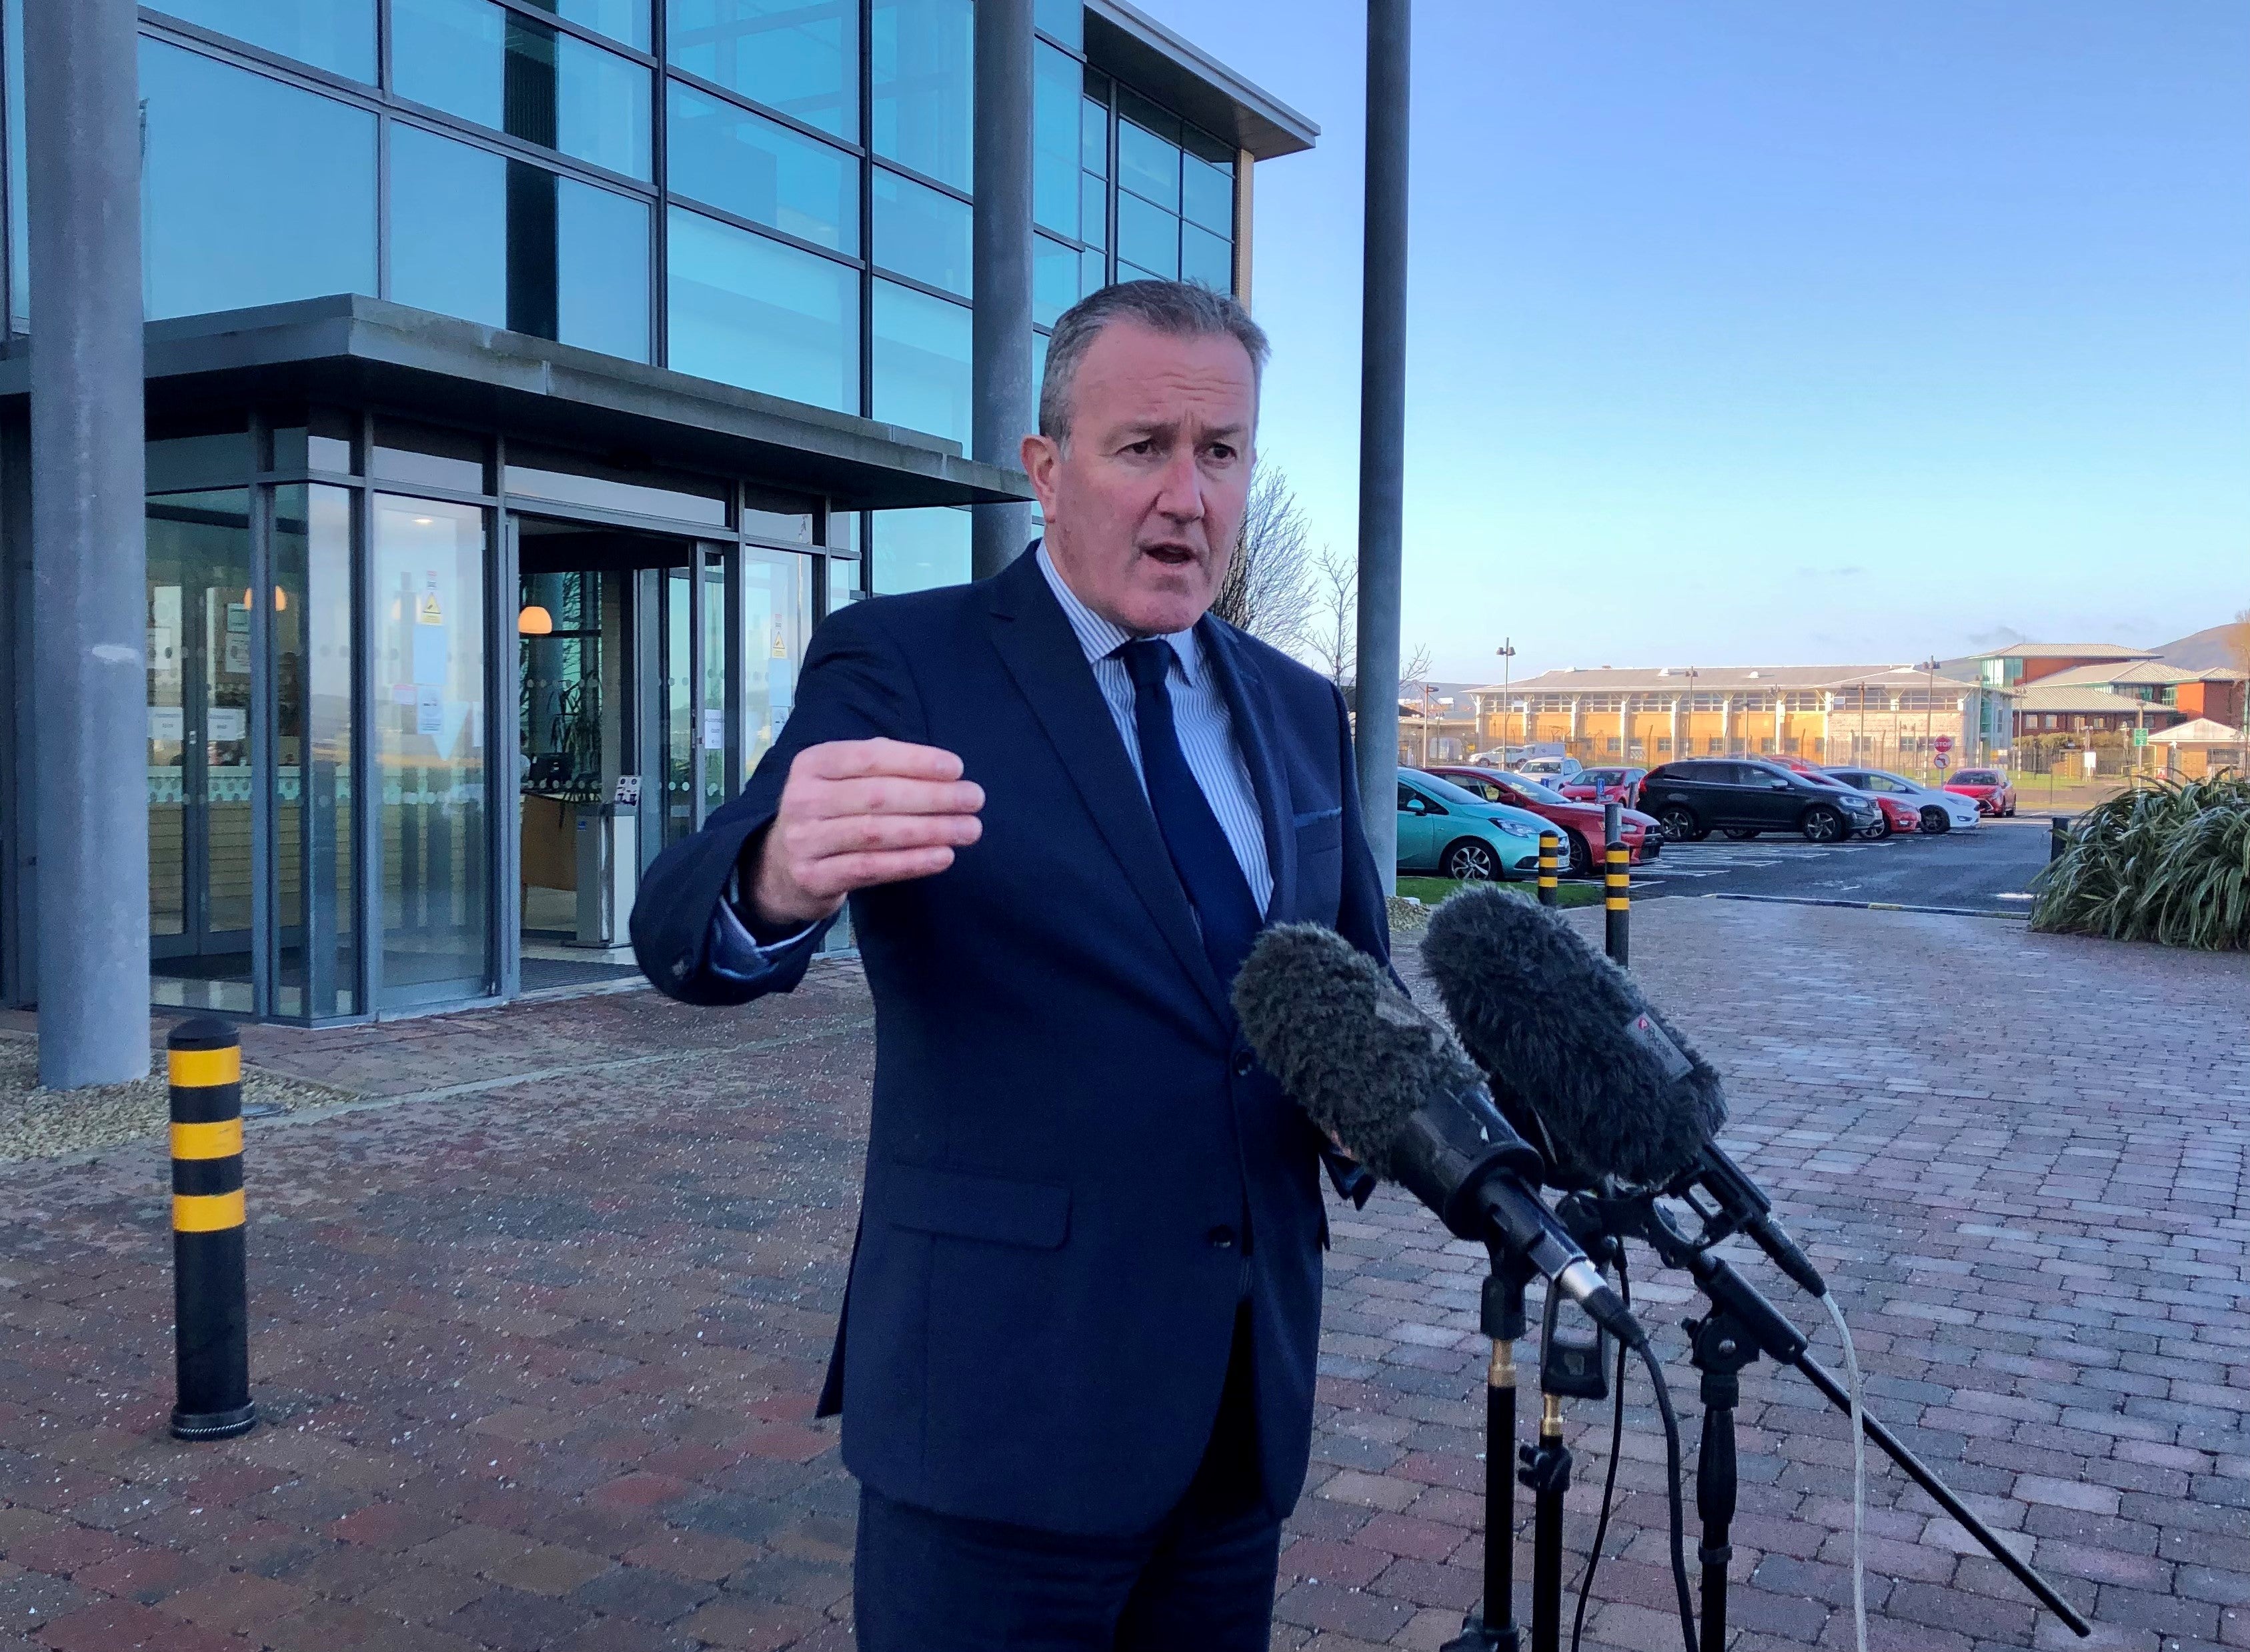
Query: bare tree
[1268, 589]
[1331, 635]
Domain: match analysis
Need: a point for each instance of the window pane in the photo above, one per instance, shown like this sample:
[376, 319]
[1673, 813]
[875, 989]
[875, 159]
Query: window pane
[1148, 165]
[601, 269]
[1093, 209]
[1127, 272]
[761, 169]
[19, 234]
[575, 478]
[1054, 279]
[626, 20]
[252, 192]
[914, 550]
[1207, 195]
[1206, 258]
[749, 311]
[450, 54]
[1147, 236]
[1093, 270]
[1064, 19]
[801, 57]
[428, 456]
[602, 100]
[921, 362]
[923, 69]
[1094, 136]
[448, 226]
[920, 233]
[1055, 141]
[335, 35]
[510, 72]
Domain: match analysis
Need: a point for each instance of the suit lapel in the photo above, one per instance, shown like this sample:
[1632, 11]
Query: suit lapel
[1042, 653]
[1247, 704]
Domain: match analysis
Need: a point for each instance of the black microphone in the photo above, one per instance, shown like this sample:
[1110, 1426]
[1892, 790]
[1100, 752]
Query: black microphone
[1582, 1064]
[1391, 1083]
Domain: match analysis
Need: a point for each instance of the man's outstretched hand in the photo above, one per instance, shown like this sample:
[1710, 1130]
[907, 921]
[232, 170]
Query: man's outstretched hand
[857, 813]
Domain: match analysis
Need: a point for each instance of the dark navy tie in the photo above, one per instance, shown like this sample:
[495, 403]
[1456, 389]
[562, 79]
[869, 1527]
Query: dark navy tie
[1201, 855]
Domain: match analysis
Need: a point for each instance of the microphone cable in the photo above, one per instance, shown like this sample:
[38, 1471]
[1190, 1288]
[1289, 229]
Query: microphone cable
[1677, 1509]
[1858, 1476]
[1608, 1480]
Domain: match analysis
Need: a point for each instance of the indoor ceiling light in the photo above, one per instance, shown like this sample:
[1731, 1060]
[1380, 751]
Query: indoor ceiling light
[534, 621]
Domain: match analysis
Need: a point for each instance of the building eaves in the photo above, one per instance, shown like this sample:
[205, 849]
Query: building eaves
[2039, 696]
[2203, 730]
[1123, 41]
[2068, 650]
[2139, 670]
[1714, 680]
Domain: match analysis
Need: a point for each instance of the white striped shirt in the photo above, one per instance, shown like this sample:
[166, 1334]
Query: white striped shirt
[1200, 715]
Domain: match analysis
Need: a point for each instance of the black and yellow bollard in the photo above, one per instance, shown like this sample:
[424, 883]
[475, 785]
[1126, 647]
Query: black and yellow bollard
[1550, 849]
[1617, 883]
[210, 1292]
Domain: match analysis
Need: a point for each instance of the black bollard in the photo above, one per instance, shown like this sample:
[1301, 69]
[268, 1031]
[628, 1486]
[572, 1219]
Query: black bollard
[1617, 884]
[211, 1295]
[1550, 849]
[2057, 837]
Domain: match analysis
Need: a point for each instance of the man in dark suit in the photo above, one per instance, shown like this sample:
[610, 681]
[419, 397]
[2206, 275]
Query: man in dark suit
[1076, 1359]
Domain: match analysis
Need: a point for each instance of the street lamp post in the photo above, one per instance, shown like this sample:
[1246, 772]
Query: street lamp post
[1507, 652]
[1928, 713]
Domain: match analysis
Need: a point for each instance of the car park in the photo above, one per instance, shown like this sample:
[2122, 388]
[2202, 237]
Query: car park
[1603, 786]
[1582, 825]
[1988, 789]
[1447, 832]
[1935, 811]
[1745, 796]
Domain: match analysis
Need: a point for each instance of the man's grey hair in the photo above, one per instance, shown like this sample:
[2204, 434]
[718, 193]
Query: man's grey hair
[1179, 309]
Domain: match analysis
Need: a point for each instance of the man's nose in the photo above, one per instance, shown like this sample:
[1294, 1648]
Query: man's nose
[1180, 497]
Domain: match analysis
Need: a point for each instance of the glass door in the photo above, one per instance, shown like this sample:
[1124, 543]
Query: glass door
[776, 622]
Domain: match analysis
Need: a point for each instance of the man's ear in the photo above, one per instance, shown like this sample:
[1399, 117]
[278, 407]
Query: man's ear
[1042, 458]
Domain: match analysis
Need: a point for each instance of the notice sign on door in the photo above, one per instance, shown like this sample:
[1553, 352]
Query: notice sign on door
[429, 711]
[428, 610]
[715, 730]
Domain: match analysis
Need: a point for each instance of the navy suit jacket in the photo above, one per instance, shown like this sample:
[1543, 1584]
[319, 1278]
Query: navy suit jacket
[1076, 1170]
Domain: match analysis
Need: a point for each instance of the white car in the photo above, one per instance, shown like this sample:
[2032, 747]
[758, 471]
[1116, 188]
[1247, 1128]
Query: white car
[1549, 769]
[1940, 811]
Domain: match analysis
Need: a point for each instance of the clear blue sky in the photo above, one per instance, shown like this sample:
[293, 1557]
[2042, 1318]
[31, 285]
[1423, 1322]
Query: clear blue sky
[1746, 331]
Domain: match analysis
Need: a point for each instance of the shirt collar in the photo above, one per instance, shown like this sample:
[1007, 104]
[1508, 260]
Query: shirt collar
[1101, 637]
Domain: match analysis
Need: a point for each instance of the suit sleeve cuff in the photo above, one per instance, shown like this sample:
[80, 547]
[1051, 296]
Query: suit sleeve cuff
[735, 954]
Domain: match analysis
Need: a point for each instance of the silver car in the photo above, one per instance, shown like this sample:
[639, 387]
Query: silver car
[1940, 811]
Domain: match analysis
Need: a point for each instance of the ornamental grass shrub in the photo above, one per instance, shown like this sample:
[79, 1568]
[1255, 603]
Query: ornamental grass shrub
[2167, 862]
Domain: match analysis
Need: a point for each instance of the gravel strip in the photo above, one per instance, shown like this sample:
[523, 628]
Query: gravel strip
[41, 1124]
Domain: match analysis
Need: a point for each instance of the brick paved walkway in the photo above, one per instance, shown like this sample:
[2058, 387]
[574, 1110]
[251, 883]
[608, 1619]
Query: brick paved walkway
[537, 1356]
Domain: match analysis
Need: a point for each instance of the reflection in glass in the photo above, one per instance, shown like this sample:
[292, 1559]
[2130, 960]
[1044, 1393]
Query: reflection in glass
[1093, 271]
[626, 20]
[252, 192]
[801, 57]
[202, 759]
[746, 310]
[335, 35]
[916, 549]
[1054, 279]
[1056, 142]
[776, 620]
[1207, 195]
[428, 456]
[1148, 165]
[448, 226]
[1148, 236]
[922, 68]
[430, 749]
[680, 718]
[601, 269]
[1092, 210]
[1206, 258]
[1064, 19]
[572, 478]
[760, 169]
[205, 457]
[921, 347]
[321, 439]
[711, 715]
[1094, 134]
[921, 233]
[19, 233]
[503, 70]
[317, 953]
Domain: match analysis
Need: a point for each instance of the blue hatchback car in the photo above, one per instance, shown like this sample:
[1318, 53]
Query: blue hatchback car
[1449, 832]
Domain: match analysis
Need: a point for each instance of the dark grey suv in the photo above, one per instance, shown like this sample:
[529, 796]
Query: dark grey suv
[1743, 797]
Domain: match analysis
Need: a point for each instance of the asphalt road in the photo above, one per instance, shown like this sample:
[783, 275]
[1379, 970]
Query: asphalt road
[1987, 870]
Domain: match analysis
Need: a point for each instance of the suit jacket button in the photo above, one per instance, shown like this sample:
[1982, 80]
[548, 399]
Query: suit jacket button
[1245, 1063]
[1222, 1238]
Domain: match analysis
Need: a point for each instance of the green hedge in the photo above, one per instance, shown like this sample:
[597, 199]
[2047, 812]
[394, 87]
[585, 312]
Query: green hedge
[2168, 861]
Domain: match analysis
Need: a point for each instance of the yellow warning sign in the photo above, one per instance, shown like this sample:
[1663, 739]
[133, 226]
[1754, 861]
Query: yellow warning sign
[427, 609]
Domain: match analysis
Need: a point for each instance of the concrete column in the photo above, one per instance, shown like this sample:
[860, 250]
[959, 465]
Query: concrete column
[1382, 424]
[1679, 727]
[1004, 403]
[89, 549]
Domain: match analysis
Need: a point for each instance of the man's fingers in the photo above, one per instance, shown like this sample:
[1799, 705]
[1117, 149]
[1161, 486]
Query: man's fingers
[841, 874]
[888, 794]
[853, 758]
[811, 842]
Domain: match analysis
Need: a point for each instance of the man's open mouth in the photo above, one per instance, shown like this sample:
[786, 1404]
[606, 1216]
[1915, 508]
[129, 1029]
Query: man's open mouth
[1170, 555]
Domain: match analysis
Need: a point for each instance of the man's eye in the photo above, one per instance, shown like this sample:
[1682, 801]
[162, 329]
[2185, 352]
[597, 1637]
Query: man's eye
[1221, 451]
[1145, 446]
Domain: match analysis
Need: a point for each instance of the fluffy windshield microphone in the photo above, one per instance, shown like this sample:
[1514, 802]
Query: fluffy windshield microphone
[1391, 1084]
[1582, 1065]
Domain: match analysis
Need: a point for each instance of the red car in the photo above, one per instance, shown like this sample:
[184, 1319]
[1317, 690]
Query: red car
[1581, 824]
[1897, 818]
[1603, 785]
[1988, 788]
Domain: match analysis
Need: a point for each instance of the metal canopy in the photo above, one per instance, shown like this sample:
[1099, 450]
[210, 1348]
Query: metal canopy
[1145, 55]
[354, 350]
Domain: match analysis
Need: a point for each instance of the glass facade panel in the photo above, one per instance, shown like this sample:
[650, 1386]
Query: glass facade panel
[1056, 140]
[570, 478]
[625, 20]
[762, 170]
[201, 458]
[1148, 165]
[335, 35]
[19, 234]
[921, 347]
[448, 226]
[776, 622]
[1093, 209]
[1148, 236]
[1092, 271]
[203, 761]
[601, 269]
[430, 749]
[1064, 19]
[1054, 279]
[1207, 195]
[503, 70]
[316, 951]
[711, 719]
[922, 69]
[801, 57]
[922, 233]
[749, 311]
[424, 456]
[252, 192]
[322, 438]
[1093, 135]
[1206, 258]
[914, 550]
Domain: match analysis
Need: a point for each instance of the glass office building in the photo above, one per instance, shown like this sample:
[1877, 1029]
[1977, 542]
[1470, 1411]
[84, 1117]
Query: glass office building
[525, 379]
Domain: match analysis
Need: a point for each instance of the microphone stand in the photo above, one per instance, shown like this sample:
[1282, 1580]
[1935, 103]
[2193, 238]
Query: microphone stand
[1742, 1324]
[1492, 1629]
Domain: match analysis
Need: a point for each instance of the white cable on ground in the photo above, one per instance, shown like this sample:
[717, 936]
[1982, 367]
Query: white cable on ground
[1858, 1476]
